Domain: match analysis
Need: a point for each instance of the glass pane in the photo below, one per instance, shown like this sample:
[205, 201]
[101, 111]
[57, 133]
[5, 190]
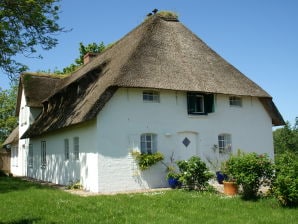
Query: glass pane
[148, 138]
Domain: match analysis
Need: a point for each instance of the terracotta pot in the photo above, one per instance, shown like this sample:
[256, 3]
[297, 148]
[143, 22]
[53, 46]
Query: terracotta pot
[230, 188]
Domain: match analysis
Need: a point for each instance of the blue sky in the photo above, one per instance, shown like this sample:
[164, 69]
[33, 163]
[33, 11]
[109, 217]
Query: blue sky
[258, 37]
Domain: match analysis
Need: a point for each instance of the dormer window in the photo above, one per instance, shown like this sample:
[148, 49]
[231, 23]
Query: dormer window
[195, 103]
[235, 101]
[151, 96]
[199, 103]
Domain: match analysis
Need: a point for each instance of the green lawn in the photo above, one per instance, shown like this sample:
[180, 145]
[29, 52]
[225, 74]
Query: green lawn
[26, 202]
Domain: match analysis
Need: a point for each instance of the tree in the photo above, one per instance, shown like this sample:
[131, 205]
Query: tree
[83, 49]
[8, 120]
[24, 25]
[286, 139]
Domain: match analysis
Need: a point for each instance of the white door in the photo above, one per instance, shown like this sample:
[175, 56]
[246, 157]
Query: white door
[187, 145]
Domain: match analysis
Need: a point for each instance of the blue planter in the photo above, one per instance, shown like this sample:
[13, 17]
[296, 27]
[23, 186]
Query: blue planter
[220, 177]
[173, 182]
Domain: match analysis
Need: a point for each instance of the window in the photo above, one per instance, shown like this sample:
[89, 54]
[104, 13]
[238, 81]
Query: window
[66, 149]
[43, 154]
[76, 149]
[30, 156]
[148, 143]
[235, 101]
[151, 96]
[224, 143]
[23, 116]
[198, 103]
[195, 103]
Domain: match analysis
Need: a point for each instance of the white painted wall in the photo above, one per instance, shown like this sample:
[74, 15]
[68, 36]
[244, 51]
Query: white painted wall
[61, 171]
[19, 167]
[105, 163]
[125, 117]
[26, 117]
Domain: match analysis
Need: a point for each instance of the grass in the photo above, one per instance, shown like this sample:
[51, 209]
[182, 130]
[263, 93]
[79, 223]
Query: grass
[23, 202]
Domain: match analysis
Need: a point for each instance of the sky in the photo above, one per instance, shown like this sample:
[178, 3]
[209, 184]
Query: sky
[258, 37]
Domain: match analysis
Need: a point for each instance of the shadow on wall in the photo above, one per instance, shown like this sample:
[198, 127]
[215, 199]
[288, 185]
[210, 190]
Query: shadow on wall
[57, 170]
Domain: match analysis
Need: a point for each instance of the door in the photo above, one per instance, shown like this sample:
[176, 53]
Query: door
[187, 145]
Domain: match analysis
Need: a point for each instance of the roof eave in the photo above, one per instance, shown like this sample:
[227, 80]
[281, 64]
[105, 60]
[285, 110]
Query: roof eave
[270, 107]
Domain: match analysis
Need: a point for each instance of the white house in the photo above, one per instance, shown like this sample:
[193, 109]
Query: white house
[159, 88]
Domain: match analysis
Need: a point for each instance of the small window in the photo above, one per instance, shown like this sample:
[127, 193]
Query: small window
[66, 149]
[195, 103]
[76, 148]
[148, 143]
[224, 143]
[30, 156]
[23, 116]
[43, 154]
[235, 101]
[151, 96]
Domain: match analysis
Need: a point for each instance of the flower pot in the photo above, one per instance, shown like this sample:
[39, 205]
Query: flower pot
[230, 188]
[173, 182]
[220, 177]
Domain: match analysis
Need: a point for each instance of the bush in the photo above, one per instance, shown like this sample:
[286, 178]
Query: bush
[250, 171]
[285, 185]
[3, 174]
[74, 185]
[194, 173]
[145, 161]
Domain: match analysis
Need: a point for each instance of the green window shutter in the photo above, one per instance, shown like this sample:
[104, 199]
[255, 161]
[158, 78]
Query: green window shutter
[191, 103]
[209, 103]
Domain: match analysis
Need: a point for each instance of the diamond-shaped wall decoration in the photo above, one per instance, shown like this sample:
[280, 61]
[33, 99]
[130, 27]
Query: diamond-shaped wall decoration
[186, 142]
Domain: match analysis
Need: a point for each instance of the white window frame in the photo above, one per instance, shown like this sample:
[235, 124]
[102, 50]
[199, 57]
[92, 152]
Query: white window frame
[76, 148]
[66, 149]
[151, 96]
[30, 156]
[235, 101]
[43, 156]
[148, 143]
[224, 143]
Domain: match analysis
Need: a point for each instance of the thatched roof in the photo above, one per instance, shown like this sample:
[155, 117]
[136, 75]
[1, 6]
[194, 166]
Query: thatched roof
[160, 53]
[37, 87]
[12, 138]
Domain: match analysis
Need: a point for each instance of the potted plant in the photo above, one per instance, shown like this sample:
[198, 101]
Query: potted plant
[215, 162]
[230, 186]
[229, 182]
[173, 177]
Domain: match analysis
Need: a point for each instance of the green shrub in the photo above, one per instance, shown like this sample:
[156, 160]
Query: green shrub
[250, 171]
[285, 184]
[3, 173]
[145, 161]
[194, 173]
[74, 185]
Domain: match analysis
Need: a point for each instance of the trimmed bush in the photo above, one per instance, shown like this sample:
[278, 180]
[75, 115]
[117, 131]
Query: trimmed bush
[194, 173]
[285, 185]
